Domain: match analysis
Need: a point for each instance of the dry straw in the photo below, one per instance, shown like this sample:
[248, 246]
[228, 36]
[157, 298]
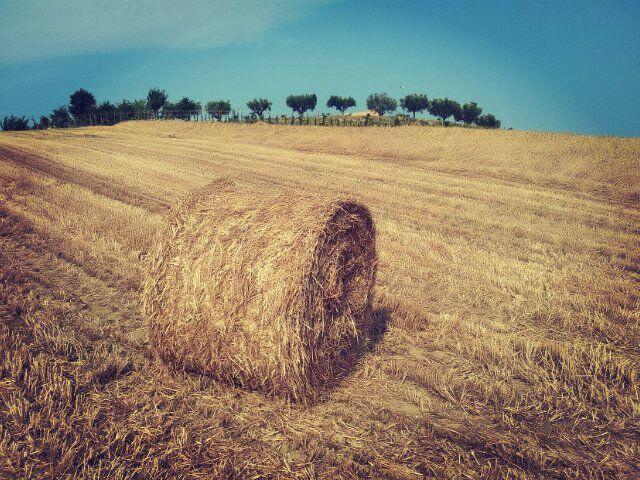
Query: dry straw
[265, 291]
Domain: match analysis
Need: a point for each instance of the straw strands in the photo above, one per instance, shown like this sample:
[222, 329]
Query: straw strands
[269, 291]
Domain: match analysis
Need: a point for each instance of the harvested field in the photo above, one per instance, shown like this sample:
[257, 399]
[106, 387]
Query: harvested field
[507, 303]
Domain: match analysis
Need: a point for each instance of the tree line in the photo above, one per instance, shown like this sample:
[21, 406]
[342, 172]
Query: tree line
[83, 109]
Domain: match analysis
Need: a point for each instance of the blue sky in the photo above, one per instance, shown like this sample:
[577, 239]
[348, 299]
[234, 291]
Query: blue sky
[546, 65]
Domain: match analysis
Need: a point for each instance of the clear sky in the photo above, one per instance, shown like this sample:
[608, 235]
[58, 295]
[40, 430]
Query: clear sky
[542, 65]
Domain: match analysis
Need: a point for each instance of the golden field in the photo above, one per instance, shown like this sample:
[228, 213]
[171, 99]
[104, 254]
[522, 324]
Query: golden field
[508, 287]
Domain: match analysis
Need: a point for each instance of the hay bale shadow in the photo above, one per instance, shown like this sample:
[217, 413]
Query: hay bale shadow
[347, 363]
[352, 358]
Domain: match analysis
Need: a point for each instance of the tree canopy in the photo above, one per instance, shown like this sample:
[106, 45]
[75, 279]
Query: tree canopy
[301, 103]
[414, 103]
[443, 108]
[381, 103]
[60, 117]
[488, 121]
[187, 105]
[218, 108]
[106, 108]
[156, 99]
[456, 111]
[341, 103]
[106, 113]
[81, 102]
[258, 106]
[134, 109]
[470, 112]
[184, 109]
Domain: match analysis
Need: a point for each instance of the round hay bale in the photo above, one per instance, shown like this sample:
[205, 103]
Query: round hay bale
[265, 291]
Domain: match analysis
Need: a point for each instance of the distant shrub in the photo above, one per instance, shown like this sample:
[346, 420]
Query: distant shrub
[400, 119]
[15, 123]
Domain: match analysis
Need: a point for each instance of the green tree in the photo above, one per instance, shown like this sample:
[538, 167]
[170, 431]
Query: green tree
[156, 99]
[14, 123]
[488, 121]
[414, 103]
[105, 113]
[302, 103]
[128, 110]
[258, 106]
[381, 103]
[81, 103]
[106, 108]
[470, 113]
[341, 103]
[443, 108]
[188, 108]
[218, 108]
[60, 117]
[125, 109]
[183, 109]
[170, 109]
[140, 107]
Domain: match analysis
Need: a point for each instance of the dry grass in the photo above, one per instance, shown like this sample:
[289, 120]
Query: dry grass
[267, 291]
[508, 286]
